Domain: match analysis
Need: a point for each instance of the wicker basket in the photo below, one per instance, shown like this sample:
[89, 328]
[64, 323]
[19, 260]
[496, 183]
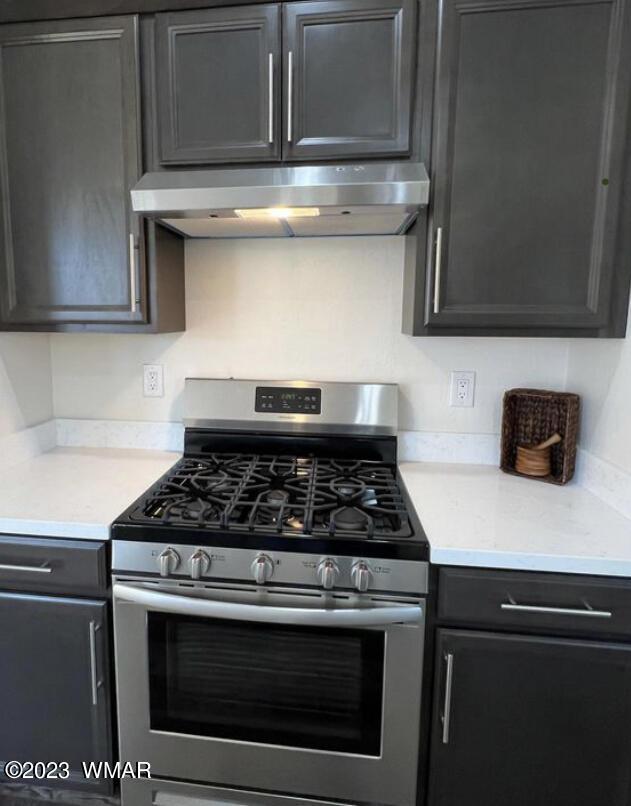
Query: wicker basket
[531, 416]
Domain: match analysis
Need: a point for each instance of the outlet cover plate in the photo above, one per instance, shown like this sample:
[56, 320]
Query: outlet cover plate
[153, 380]
[462, 389]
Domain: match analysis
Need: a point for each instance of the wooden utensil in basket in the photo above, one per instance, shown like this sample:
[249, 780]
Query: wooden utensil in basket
[536, 460]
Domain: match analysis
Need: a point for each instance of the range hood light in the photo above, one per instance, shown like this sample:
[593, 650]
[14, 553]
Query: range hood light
[279, 212]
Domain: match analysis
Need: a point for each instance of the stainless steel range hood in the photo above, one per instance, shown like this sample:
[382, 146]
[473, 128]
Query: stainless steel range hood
[302, 201]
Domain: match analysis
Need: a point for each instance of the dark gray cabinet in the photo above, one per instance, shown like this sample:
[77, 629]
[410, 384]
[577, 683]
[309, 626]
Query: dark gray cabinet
[349, 78]
[70, 151]
[54, 685]
[72, 253]
[340, 87]
[525, 232]
[218, 85]
[50, 565]
[522, 720]
[559, 604]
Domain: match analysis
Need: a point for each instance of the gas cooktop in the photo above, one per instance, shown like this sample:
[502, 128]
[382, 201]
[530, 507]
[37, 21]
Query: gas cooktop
[288, 495]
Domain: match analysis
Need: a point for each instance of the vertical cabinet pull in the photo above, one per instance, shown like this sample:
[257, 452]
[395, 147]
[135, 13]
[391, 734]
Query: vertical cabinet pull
[290, 92]
[132, 272]
[270, 101]
[94, 679]
[437, 268]
[449, 677]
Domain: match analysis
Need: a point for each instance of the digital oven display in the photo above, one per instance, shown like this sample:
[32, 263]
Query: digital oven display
[283, 400]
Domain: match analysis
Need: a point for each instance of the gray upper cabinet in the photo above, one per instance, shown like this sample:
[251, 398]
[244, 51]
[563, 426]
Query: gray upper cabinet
[218, 85]
[349, 78]
[340, 87]
[530, 125]
[71, 250]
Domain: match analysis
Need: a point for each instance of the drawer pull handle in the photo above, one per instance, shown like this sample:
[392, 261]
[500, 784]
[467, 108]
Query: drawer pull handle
[30, 569]
[449, 677]
[556, 611]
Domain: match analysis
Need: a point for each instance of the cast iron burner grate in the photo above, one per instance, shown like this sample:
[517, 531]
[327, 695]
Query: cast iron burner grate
[285, 494]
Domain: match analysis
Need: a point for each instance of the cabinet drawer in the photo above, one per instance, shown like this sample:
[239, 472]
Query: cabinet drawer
[527, 601]
[52, 566]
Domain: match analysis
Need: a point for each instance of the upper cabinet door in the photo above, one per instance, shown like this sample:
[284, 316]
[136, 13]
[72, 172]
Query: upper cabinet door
[529, 135]
[69, 154]
[218, 85]
[348, 78]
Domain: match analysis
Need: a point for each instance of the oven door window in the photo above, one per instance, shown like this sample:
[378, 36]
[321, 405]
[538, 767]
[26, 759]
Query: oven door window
[303, 687]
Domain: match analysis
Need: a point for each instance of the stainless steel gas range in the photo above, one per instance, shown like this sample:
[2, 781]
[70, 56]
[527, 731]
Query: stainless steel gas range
[269, 605]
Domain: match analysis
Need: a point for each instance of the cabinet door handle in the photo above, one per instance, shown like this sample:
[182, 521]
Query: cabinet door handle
[132, 272]
[290, 92]
[270, 101]
[556, 611]
[29, 569]
[449, 677]
[437, 268]
[96, 683]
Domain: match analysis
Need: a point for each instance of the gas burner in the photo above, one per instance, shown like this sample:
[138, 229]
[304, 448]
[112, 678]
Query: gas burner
[277, 497]
[347, 487]
[354, 491]
[184, 509]
[211, 481]
[273, 510]
[279, 518]
[348, 518]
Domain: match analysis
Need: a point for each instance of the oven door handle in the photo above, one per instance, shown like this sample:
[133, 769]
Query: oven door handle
[209, 608]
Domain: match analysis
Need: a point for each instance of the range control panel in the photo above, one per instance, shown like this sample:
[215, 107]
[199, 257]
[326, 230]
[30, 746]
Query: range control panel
[288, 400]
[209, 564]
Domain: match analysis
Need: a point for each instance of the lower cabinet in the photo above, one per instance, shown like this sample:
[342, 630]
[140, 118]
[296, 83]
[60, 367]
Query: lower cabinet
[530, 721]
[54, 686]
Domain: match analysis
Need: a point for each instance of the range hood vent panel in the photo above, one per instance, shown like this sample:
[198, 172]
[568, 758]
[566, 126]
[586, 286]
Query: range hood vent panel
[332, 221]
[370, 199]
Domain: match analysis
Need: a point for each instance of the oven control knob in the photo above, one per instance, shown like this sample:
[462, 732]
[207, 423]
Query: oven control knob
[328, 573]
[200, 563]
[168, 562]
[360, 576]
[262, 569]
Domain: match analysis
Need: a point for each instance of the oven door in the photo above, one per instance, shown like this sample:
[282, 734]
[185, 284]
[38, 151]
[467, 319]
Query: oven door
[309, 693]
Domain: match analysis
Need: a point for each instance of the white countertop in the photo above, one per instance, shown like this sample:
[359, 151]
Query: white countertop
[475, 515]
[76, 492]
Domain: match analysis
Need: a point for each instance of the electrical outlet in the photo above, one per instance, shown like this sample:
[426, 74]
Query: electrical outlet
[153, 380]
[462, 389]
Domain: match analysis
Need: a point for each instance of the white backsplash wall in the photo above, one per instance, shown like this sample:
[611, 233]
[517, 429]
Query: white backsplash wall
[25, 382]
[600, 371]
[318, 309]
